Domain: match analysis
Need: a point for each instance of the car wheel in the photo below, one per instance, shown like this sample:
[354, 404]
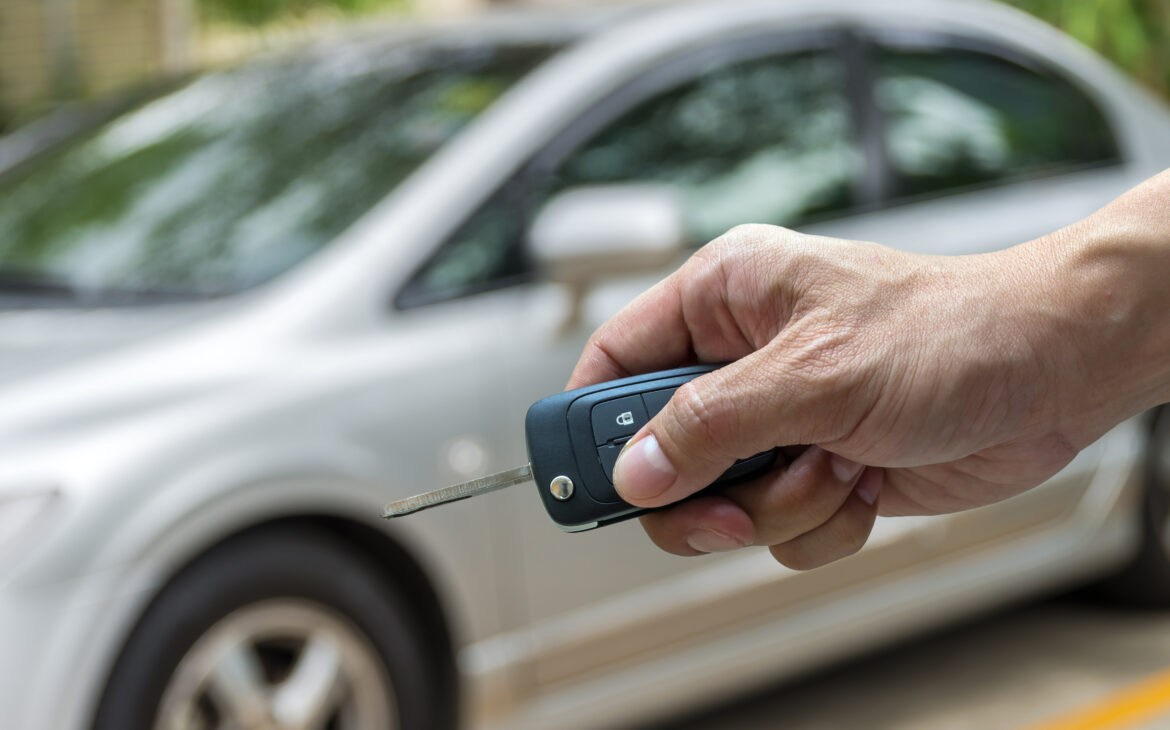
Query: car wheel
[1145, 582]
[279, 628]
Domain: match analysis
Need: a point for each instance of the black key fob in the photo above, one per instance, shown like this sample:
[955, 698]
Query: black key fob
[574, 438]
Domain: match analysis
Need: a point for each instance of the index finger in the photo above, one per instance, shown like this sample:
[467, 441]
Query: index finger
[648, 334]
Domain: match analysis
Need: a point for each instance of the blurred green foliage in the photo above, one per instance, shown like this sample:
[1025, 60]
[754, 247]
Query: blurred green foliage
[259, 12]
[1134, 34]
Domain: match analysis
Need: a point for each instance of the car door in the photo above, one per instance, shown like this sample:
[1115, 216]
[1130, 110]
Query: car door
[762, 130]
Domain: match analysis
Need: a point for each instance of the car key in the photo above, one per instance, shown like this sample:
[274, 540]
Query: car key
[574, 439]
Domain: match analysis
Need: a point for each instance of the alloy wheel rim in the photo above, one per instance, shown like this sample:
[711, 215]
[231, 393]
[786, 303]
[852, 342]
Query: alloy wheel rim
[279, 664]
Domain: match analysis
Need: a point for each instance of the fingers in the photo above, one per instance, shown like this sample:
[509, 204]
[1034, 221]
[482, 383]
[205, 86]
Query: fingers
[822, 508]
[841, 536]
[696, 312]
[744, 408]
[701, 525]
[789, 503]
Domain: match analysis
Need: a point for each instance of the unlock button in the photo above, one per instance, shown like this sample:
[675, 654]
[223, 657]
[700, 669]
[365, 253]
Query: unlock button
[617, 418]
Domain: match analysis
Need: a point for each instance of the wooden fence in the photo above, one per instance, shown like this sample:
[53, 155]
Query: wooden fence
[61, 50]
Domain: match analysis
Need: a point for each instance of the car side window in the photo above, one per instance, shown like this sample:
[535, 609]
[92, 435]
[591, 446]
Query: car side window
[956, 118]
[770, 140]
[767, 141]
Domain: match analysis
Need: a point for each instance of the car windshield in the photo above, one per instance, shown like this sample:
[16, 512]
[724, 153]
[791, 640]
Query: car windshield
[238, 175]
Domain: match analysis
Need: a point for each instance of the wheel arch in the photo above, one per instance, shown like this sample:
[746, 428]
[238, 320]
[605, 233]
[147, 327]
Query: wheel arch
[393, 561]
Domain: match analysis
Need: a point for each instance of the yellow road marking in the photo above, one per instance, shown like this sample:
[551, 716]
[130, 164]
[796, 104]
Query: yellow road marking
[1126, 708]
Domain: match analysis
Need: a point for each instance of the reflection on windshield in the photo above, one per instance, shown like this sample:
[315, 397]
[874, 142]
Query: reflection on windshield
[239, 175]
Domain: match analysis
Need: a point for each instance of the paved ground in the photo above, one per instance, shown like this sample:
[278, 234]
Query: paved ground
[1020, 667]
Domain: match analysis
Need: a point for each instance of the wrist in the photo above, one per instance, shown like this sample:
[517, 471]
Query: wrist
[1098, 297]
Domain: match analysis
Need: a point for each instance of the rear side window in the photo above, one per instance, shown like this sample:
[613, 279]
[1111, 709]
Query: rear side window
[956, 118]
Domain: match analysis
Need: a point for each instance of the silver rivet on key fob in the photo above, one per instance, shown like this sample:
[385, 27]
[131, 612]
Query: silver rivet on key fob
[561, 487]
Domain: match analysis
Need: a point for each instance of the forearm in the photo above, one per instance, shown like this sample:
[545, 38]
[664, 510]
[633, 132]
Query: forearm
[1101, 292]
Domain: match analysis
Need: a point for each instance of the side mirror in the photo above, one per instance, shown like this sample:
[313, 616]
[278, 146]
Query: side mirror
[587, 233]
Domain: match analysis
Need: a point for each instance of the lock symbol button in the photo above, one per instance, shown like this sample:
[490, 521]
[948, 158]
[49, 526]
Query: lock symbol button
[617, 418]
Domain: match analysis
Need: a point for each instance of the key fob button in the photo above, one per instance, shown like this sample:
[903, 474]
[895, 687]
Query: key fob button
[605, 492]
[608, 456]
[617, 418]
[656, 400]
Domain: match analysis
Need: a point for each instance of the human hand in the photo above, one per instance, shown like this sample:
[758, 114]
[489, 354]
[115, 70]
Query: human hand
[925, 385]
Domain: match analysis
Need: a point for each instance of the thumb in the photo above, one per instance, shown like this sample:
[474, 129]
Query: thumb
[741, 409]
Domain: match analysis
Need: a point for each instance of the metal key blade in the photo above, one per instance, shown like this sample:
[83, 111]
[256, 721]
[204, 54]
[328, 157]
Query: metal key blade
[456, 492]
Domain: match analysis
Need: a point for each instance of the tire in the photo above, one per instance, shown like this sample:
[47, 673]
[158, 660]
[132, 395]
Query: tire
[1145, 581]
[286, 604]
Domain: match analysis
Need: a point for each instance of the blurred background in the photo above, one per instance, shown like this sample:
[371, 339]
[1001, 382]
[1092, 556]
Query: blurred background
[55, 52]
[266, 265]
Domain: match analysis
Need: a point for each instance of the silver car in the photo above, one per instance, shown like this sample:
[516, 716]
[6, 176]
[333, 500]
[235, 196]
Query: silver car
[246, 311]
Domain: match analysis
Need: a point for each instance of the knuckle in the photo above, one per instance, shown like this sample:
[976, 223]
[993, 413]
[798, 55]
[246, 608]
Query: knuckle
[701, 271]
[851, 533]
[750, 232]
[702, 420]
[596, 340]
[833, 541]
[743, 239]
[659, 528]
[814, 506]
[791, 556]
[853, 540]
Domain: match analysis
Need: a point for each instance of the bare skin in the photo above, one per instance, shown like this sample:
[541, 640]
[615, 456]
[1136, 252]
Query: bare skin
[926, 384]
